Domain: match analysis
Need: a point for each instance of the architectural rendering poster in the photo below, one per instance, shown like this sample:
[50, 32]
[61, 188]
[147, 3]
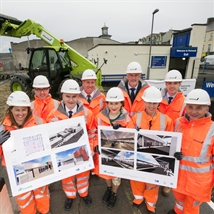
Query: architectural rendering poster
[143, 155]
[46, 153]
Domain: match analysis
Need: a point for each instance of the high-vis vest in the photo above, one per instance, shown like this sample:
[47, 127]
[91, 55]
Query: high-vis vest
[159, 122]
[138, 104]
[97, 102]
[175, 109]
[41, 108]
[195, 169]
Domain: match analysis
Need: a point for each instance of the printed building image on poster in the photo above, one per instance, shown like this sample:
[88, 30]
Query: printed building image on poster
[142, 155]
[40, 155]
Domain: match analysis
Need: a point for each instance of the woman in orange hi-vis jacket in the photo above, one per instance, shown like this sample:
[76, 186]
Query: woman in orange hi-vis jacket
[150, 119]
[116, 116]
[69, 107]
[18, 116]
[195, 180]
[43, 102]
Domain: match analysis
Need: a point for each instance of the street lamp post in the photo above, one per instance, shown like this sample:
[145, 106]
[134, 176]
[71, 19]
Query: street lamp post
[150, 47]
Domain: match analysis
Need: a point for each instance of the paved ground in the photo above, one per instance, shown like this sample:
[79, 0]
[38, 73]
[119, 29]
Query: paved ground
[98, 187]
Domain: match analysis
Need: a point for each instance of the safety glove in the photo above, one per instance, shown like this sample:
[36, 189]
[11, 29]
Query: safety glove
[116, 126]
[178, 155]
[4, 135]
[96, 149]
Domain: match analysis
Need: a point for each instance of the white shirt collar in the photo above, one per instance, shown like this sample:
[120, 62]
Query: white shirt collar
[85, 94]
[132, 87]
[74, 110]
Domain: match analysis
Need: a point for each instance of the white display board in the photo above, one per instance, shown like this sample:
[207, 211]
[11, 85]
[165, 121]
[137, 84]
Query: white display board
[43, 154]
[187, 85]
[143, 155]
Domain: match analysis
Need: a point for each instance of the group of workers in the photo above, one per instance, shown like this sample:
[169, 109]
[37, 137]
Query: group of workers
[133, 104]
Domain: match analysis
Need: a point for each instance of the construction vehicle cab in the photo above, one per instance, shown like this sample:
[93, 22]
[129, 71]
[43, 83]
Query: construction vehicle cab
[57, 62]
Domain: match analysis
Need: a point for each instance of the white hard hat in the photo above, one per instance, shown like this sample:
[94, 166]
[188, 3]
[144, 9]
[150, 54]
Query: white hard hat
[173, 76]
[134, 68]
[198, 97]
[70, 86]
[18, 98]
[41, 82]
[152, 95]
[114, 95]
[89, 75]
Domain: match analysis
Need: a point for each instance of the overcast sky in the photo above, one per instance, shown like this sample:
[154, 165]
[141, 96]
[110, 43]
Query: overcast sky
[127, 20]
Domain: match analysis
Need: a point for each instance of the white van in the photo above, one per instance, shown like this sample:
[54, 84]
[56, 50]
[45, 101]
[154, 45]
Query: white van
[207, 59]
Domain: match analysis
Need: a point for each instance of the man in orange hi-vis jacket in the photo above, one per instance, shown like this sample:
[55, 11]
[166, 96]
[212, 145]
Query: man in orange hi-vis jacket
[43, 102]
[150, 119]
[172, 103]
[69, 107]
[196, 166]
[133, 87]
[90, 95]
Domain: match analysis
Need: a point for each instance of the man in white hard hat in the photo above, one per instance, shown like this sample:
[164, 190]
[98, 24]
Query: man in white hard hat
[133, 87]
[71, 107]
[195, 170]
[172, 103]
[43, 102]
[90, 95]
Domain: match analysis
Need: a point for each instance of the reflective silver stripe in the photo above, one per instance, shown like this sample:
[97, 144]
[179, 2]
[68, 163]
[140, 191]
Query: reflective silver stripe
[1, 128]
[179, 205]
[177, 122]
[151, 204]
[82, 184]
[150, 188]
[202, 158]
[39, 120]
[24, 196]
[138, 197]
[56, 104]
[83, 190]
[138, 120]
[196, 203]
[82, 178]
[27, 204]
[162, 122]
[194, 169]
[70, 193]
[182, 109]
[98, 121]
[101, 104]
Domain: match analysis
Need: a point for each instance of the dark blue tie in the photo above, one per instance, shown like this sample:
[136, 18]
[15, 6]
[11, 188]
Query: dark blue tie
[70, 114]
[170, 100]
[132, 95]
[89, 98]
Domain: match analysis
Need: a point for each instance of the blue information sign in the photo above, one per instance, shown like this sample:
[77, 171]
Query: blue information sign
[209, 87]
[158, 61]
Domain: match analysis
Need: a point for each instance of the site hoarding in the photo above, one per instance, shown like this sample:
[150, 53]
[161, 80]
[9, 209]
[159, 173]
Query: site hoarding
[43, 154]
[143, 155]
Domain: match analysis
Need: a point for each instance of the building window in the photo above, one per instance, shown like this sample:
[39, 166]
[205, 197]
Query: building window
[205, 37]
[203, 49]
[211, 36]
[209, 48]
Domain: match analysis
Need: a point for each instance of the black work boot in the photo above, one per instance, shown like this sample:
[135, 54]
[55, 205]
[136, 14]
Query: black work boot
[87, 200]
[106, 195]
[112, 200]
[68, 203]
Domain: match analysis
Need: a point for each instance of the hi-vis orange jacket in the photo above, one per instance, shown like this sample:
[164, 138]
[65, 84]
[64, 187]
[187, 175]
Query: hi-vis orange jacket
[175, 109]
[159, 122]
[60, 114]
[41, 108]
[195, 169]
[138, 104]
[33, 121]
[103, 120]
[97, 102]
